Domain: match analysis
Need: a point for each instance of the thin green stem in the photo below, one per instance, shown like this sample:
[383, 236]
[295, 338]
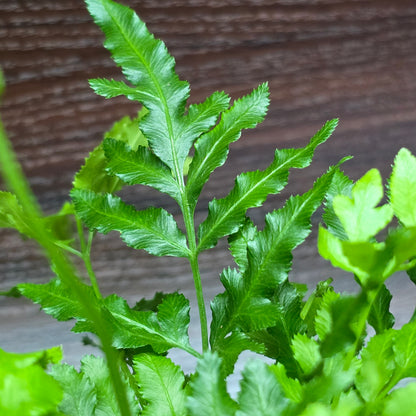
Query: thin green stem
[88, 266]
[69, 249]
[193, 260]
[201, 302]
[86, 257]
[17, 183]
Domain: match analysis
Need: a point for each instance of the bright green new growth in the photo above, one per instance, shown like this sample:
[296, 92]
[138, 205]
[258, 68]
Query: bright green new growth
[322, 362]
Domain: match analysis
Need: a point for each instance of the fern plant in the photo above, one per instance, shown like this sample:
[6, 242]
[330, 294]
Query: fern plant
[324, 362]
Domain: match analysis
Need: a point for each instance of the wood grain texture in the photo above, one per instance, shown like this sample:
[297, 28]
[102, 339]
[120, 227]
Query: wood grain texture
[352, 59]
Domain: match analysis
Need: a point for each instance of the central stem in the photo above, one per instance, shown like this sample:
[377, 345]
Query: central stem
[193, 260]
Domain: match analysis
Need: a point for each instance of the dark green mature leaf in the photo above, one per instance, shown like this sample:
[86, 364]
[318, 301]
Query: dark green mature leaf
[153, 229]
[80, 397]
[211, 149]
[150, 304]
[56, 299]
[261, 394]
[227, 317]
[313, 304]
[161, 384]
[402, 186]
[246, 302]
[146, 63]
[98, 374]
[239, 242]
[341, 185]
[168, 328]
[270, 252]
[278, 338]
[333, 380]
[140, 167]
[251, 189]
[345, 312]
[209, 395]
[25, 387]
[380, 317]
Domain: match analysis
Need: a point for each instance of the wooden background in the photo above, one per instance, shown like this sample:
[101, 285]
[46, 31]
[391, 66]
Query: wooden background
[352, 59]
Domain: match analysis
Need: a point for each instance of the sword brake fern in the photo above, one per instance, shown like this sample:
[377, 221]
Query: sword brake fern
[322, 364]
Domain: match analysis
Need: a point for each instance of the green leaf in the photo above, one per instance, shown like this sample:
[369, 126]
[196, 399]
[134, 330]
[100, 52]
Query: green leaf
[359, 215]
[110, 88]
[127, 130]
[377, 366]
[246, 303]
[401, 401]
[161, 384]
[306, 352]
[25, 387]
[335, 378]
[153, 229]
[278, 338]
[291, 386]
[146, 63]
[168, 328]
[323, 316]
[211, 149]
[403, 188]
[209, 395]
[313, 304]
[57, 300]
[11, 293]
[270, 252]
[341, 185]
[405, 349]
[139, 167]
[380, 317]
[93, 174]
[364, 259]
[251, 189]
[261, 394]
[12, 215]
[345, 313]
[150, 304]
[80, 397]
[228, 317]
[59, 224]
[96, 370]
[239, 242]
[370, 262]
[230, 348]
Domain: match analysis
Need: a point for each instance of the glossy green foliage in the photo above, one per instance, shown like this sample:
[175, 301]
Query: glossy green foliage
[153, 229]
[324, 362]
[161, 384]
[358, 250]
[89, 391]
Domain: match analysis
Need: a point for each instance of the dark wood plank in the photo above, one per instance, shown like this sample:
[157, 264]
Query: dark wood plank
[324, 58]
